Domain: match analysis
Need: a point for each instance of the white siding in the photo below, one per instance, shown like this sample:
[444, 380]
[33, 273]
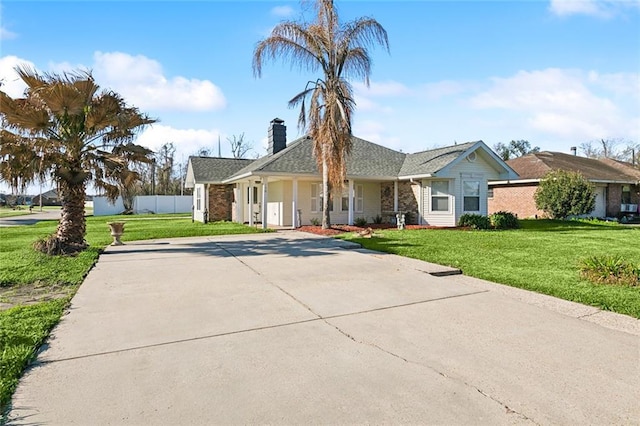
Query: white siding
[371, 203]
[479, 170]
[275, 204]
[304, 202]
[437, 218]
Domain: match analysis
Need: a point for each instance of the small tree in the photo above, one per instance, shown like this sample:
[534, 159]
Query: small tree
[239, 147]
[514, 149]
[562, 193]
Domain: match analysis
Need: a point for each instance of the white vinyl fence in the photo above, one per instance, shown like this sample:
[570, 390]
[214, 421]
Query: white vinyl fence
[144, 204]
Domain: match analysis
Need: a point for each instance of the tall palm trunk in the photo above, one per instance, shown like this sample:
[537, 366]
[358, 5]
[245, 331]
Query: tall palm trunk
[326, 193]
[72, 226]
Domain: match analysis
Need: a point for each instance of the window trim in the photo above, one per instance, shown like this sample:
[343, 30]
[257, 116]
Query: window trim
[316, 206]
[465, 195]
[446, 196]
[358, 199]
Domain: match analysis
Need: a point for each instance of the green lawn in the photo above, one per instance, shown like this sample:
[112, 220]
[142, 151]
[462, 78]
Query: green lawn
[543, 256]
[9, 212]
[24, 328]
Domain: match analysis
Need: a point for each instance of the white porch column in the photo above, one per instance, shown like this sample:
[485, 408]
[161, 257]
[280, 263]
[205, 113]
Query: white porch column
[294, 204]
[239, 203]
[251, 202]
[421, 205]
[265, 198]
[206, 202]
[395, 195]
[351, 195]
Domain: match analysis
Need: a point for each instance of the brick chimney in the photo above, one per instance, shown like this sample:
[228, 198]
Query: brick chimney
[277, 136]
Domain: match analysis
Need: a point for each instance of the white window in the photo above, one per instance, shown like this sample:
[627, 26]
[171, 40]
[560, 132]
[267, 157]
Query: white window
[198, 198]
[440, 196]
[316, 198]
[316, 191]
[358, 199]
[471, 195]
[255, 194]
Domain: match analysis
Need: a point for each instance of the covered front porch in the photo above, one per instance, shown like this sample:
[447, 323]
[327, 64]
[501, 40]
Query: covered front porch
[292, 202]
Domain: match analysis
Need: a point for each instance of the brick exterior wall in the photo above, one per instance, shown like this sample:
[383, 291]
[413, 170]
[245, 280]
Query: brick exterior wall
[614, 198]
[408, 196]
[220, 202]
[517, 199]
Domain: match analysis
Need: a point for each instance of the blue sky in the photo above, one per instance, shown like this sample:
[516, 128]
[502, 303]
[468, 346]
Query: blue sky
[556, 73]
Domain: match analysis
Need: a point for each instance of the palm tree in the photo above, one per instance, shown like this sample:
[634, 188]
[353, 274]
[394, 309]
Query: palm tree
[339, 50]
[66, 128]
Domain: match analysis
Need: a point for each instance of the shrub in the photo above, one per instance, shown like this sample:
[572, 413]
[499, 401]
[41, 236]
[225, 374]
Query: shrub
[610, 270]
[562, 193]
[315, 221]
[474, 221]
[408, 217]
[504, 220]
[377, 219]
[360, 221]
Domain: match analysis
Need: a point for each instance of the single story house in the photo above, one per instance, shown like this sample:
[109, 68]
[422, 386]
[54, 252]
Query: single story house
[617, 183]
[49, 198]
[284, 188]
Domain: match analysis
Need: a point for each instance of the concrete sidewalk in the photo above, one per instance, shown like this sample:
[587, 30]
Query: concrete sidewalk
[290, 328]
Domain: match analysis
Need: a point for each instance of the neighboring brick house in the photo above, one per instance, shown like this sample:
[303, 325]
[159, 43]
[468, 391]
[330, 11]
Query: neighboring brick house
[284, 188]
[617, 184]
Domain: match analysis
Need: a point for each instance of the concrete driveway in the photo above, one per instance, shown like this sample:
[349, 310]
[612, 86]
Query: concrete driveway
[30, 219]
[290, 328]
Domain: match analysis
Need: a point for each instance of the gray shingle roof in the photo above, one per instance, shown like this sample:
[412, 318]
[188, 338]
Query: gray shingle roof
[213, 169]
[433, 160]
[367, 160]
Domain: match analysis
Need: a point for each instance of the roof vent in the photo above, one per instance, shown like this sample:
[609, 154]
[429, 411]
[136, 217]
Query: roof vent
[472, 157]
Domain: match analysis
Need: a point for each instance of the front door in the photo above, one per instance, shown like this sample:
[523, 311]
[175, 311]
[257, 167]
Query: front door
[252, 194]
[601, 204]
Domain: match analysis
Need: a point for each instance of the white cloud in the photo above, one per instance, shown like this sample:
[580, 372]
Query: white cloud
[596, 8]
[5, 34]
[375, 131]
[282, 11]
[562, 103]
[442, 89]
[12, 85]
[186, 141]
[141, 81]
[382, 89]
[626, 84]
